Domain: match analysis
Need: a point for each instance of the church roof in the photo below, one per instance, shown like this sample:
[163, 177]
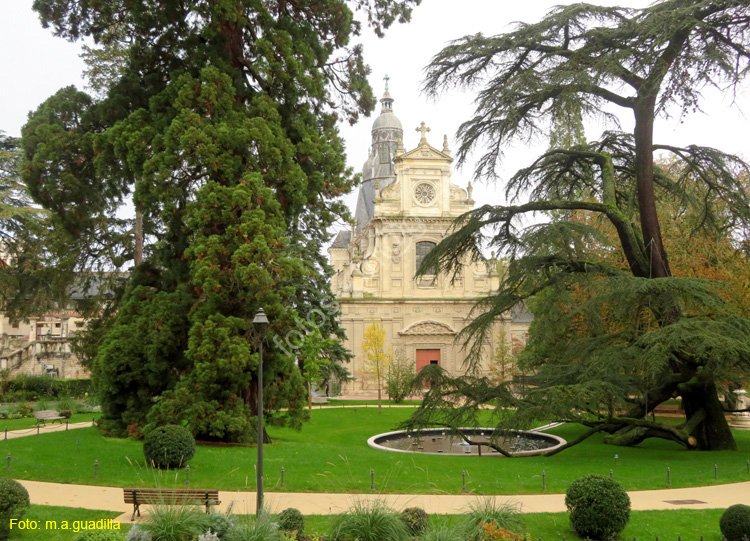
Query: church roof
[342, 240]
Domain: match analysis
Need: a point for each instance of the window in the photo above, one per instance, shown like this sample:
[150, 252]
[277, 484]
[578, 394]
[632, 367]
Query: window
[424, 248]
[385, 153]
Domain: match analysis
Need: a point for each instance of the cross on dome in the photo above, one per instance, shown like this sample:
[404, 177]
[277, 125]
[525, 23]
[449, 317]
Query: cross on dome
[386, 79]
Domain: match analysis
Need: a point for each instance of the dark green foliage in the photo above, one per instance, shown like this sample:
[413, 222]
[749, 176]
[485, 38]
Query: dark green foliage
[615, 334]
[30, 387]
[236, 168]
[38, 386]
[400, 375]
[735, 523]
[291, 520]
[599, 507]
[168, 447]
[141, 356]
[416, 519]
[14, 499]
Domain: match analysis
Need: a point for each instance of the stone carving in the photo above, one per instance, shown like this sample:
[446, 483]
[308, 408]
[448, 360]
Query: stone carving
[457, 194]
[396, 253]
[427, 327]
[370, 267]
[391, 192]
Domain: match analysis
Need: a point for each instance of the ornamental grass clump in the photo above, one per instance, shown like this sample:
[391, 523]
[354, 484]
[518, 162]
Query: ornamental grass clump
[489, 511]
[168, 447]
[735, 523]
[599, 507]
[370, 522]
[14, 499]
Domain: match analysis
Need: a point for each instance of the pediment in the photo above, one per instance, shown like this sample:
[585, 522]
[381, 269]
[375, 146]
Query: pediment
[424, 152]
[427, 327]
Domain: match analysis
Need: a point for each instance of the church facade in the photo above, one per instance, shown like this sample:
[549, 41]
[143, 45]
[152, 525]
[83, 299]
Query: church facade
[406, 205]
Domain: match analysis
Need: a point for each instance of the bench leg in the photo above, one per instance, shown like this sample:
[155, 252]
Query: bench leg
[136, 509]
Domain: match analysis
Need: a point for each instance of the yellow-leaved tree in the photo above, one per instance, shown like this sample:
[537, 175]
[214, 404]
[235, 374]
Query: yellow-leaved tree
[376, 358]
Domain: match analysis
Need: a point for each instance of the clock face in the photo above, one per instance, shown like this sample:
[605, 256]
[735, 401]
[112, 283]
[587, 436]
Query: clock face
[424, 193]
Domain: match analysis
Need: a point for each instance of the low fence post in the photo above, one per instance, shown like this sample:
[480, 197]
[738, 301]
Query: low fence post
[187, 474]
[282, 476]
[372, 479]
[669, 482]
[96, 469]
[716, 472]
[544, 480]
[7, 468]
[463, 480]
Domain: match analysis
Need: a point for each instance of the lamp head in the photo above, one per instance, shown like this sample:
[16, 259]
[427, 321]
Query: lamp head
[260, 318]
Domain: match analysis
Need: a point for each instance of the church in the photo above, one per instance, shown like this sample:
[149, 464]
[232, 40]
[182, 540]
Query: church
[406, 205]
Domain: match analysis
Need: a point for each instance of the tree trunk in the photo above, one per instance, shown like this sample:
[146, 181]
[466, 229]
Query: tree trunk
[309, 396]
[380, 406]
[138, 255]
[644, 174]
[712, 433]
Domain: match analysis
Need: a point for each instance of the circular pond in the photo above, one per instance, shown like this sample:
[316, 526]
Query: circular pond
[439, 441]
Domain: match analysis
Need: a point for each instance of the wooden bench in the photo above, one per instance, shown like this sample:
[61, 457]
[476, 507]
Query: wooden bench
[43, 416]
[162, 496]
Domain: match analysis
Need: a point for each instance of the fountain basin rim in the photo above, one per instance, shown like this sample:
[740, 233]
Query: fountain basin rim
[533, 452]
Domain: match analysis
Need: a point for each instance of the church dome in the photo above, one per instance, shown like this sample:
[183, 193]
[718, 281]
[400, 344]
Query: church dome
[387, 120]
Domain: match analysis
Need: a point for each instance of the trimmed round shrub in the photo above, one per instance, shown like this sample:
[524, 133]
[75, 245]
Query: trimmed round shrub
[416, 519]
[599, 507]
[291, 520]
[168, 447]
[14, 499]
[735, 523]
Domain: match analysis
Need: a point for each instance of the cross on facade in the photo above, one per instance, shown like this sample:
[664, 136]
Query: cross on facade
[386, 79]
[424, 129]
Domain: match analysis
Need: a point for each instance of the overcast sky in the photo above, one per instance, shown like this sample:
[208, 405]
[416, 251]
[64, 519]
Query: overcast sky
[34, 65]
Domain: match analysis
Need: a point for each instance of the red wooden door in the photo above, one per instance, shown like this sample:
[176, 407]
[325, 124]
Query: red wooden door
[427, 356]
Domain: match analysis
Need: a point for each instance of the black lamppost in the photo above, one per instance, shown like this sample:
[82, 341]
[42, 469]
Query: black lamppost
[260, 320]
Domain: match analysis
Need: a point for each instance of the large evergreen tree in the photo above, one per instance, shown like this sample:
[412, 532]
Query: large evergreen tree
[609, 343]
[222, 125]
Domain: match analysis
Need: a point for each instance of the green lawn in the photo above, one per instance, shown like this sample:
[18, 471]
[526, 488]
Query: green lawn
[644, 525]
[331, 455]
[46, 517]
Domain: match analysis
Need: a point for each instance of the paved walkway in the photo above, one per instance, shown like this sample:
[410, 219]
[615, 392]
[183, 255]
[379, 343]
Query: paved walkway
[111, 499]
[43, 429]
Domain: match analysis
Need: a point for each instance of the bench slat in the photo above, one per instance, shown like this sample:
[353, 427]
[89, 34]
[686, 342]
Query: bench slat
[150, 496]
